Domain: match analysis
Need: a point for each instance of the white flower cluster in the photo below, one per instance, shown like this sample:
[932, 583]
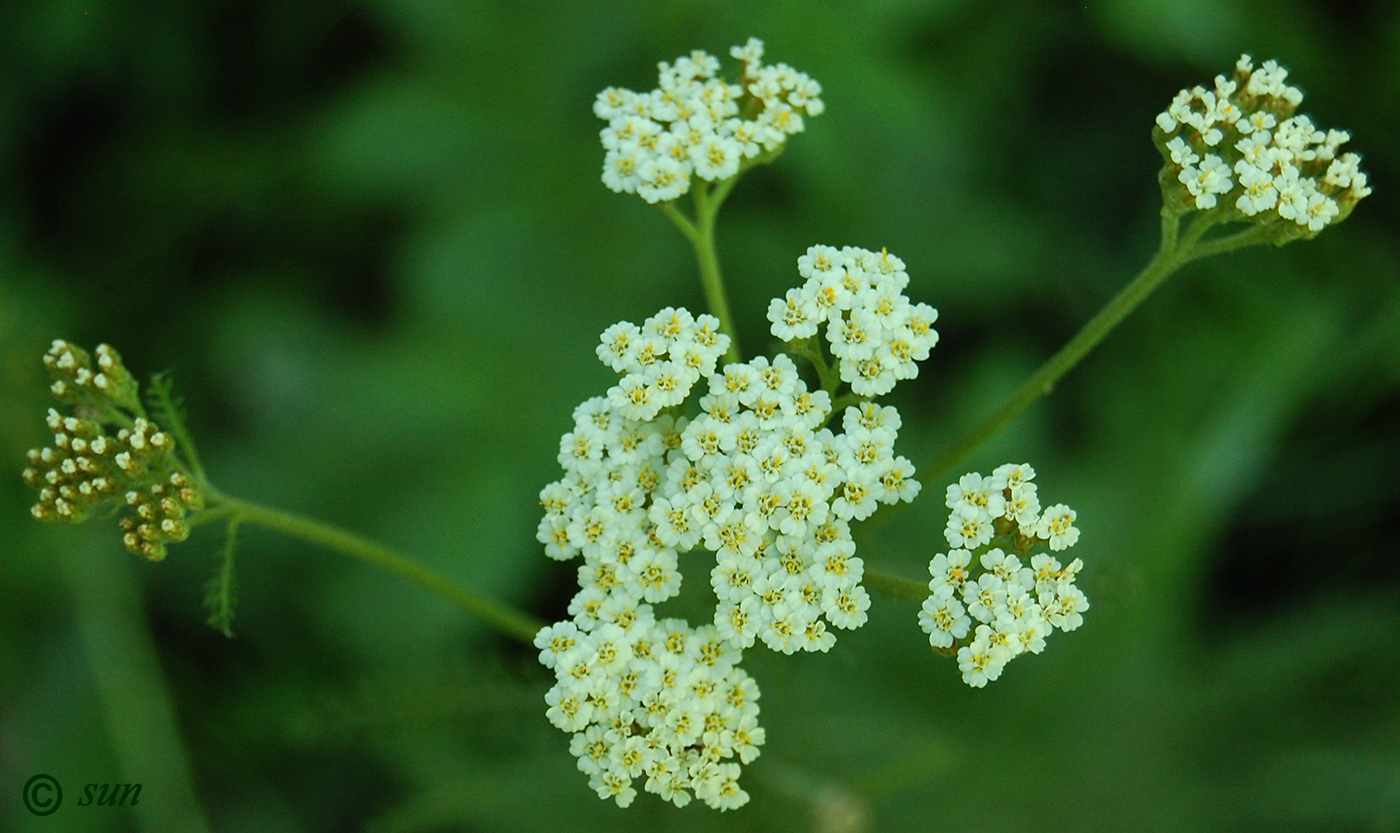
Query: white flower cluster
[1246, 128]
[873, 330]
[756, 478]
[660, 361]
[698, 124]
[652, 699]
[1015, 606]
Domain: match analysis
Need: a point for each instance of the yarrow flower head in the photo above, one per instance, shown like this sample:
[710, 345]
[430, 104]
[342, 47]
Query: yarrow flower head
[753, 474]
[1240, 145]
[697, 124]
[992, 596]
[856, 298]
[88, 470]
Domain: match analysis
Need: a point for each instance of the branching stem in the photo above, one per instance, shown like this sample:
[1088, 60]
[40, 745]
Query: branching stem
[897, 586]
[502, 617]
[1177, 249]
[707, 204]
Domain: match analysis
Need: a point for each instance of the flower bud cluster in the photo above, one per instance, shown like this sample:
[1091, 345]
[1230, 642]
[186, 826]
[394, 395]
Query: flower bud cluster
[654, 700]
[77, 383]
[695, 124]
[873, 330]
[996, 523]
[755, 477]
[1242, 141]
[87, 469]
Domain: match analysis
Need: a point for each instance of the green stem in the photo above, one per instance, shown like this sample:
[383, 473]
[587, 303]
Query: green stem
[721, 192]
[503, 618]
[1173, 252]
[811, 350]
[1171, 223]
[897, 586]
[1249, 237]
[213, 513]
[706, 211]
[701, 234]
[844, 401]
[682, 222]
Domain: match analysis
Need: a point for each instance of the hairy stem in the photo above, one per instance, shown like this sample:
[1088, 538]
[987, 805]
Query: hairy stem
[499, 616]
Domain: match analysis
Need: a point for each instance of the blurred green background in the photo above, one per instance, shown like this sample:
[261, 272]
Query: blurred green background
[370, 241]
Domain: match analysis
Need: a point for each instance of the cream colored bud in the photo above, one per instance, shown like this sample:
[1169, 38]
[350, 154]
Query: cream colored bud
[85, 488]
[146, 512]
[133, 497]
[60, 440]
[68, 466]
[100, 381]
[79, 445]
[59, 388]
[179, 480]
[99, 445]
[159, 440]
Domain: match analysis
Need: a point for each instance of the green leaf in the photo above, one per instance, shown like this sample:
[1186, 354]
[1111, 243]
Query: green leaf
[168, 411]
[220, 595]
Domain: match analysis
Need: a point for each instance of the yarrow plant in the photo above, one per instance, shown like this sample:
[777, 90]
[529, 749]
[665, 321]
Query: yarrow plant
[766, 465]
